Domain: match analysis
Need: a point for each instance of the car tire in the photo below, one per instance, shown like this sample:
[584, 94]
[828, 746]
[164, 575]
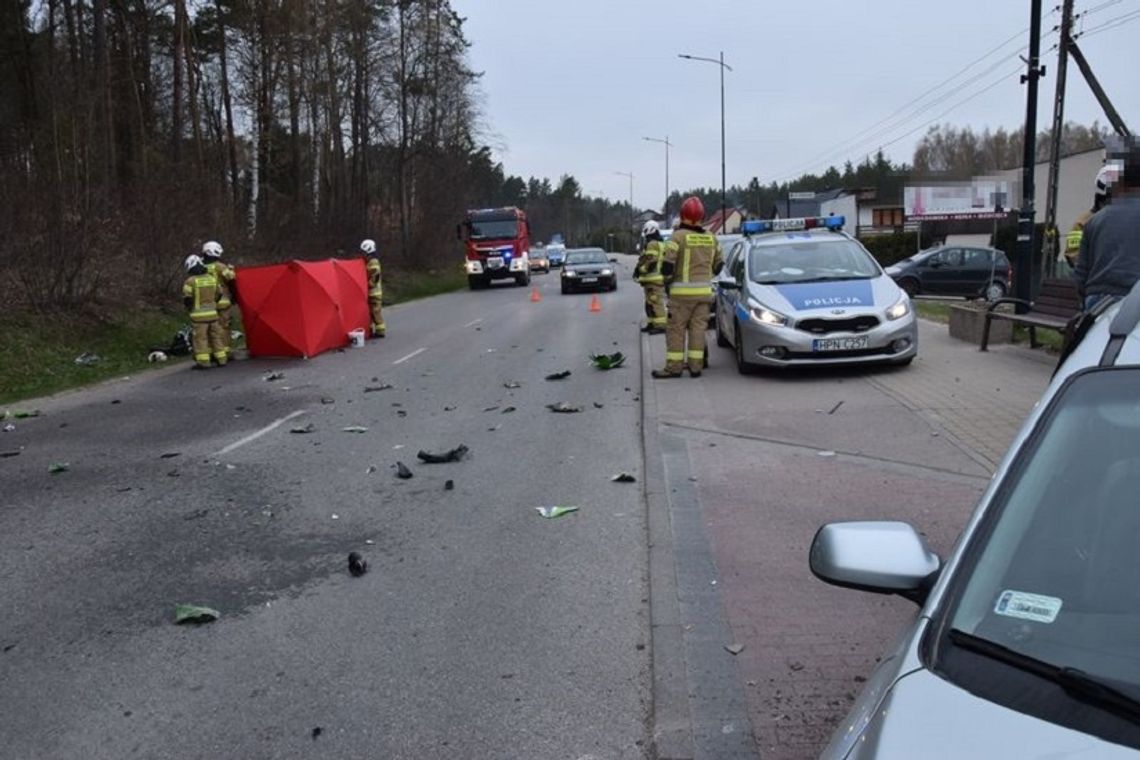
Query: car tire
[565, 289]
[613, 287]
[522, 280]
[743, 366]
[994, 291]
[721, 341]
[910, 286]
[475, 283]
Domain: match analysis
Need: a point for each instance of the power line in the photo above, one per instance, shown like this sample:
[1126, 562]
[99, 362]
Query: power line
[1109, 24]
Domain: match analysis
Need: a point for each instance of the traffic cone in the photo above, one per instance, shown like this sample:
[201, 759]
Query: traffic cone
[535, 296]
[595, 304]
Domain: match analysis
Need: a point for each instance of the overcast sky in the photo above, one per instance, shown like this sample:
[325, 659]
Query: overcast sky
[571, 86]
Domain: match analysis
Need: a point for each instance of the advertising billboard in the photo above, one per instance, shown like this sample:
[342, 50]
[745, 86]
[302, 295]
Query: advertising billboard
[981, 198]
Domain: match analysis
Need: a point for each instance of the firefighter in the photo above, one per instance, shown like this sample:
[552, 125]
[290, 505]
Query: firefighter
[375, 290]
[648, 273]
[1100, 199]
[224, 274]
[199, 294]
[692, 258]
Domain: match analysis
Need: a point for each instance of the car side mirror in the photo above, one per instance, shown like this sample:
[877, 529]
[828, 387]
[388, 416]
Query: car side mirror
[613, 260]
[728, 284]
[880, 557]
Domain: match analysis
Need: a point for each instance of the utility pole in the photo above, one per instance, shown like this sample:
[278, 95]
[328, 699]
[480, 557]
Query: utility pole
[1026, 272]
[723, 191]
[1052, 234]
[668, 145]
[630, 229]
[1098, 91]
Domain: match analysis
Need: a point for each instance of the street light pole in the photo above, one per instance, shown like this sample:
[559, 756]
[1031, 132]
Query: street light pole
[668, 145]
[630, 175]
[723, 184]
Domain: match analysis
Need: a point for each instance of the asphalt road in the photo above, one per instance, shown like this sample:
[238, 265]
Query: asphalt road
[482, 629]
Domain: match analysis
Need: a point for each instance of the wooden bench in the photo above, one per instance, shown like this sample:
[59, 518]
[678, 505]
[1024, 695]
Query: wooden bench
[1056, 305]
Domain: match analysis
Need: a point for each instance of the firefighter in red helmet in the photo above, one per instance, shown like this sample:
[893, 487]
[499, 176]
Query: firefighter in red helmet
[692, 258]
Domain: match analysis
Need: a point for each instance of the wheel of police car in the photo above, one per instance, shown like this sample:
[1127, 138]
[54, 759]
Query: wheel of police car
[721, 341]
[743, 366]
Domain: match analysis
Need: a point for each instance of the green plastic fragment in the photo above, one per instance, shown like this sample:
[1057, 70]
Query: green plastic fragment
[57, 467]
[551, 512]
[192, 613]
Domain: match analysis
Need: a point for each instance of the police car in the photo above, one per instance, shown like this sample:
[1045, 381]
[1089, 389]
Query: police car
[803, 292]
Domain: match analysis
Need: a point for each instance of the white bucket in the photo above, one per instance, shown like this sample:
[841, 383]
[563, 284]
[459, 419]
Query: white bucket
[356, 338]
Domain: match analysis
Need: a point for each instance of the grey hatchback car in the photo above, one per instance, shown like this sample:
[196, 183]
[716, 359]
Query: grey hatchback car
[1027, 643]
[955, 271]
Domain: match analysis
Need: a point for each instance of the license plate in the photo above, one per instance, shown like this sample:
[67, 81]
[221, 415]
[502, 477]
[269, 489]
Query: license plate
[494, 262]
[839, 344]
[589, 279]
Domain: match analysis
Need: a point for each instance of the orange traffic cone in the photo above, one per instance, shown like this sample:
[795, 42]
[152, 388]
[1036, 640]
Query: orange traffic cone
[535, 296]
[595, 304]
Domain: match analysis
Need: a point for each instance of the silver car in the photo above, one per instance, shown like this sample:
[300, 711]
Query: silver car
[811, 297]
[1027, 644]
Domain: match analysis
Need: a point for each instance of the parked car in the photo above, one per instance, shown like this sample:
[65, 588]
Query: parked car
[802, 292]
[588, 268]
[1026, 643]
[539, 262]
[954, 271]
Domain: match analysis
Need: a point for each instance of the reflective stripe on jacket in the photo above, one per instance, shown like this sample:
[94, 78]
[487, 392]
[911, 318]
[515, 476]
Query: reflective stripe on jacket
[224, 275]
[202, 290]
[649, 265]
[374, 287]
[695, 255]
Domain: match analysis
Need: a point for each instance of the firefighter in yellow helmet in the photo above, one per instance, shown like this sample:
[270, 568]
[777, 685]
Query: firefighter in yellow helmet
[375, 289]
[692, 258]
[199, 294]
[225, 275]
[648, 273]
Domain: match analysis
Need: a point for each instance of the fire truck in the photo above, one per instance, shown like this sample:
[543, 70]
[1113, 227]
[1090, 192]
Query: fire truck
[497, 245]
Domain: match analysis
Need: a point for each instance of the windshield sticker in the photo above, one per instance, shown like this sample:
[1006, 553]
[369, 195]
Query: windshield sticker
[1035, 607]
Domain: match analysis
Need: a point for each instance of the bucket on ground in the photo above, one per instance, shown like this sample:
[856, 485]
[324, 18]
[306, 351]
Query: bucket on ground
[356, 338]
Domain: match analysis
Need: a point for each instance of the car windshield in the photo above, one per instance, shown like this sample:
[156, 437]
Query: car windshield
[586, 257]
[810, 260]
[487, 230]
[1056, 577]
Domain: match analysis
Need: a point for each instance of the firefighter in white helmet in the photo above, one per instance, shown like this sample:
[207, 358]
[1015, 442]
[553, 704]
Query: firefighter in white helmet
[648, 273]
[375, 288]
[225, 275]
[199, 294]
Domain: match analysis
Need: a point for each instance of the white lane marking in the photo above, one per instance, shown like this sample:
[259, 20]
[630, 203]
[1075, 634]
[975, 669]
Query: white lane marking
[254, 436]
[473, 322]
[403, 359]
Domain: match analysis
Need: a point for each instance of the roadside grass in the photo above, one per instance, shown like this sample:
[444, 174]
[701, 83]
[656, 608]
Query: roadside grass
[935, 311]
[40, 350]
[939, 311]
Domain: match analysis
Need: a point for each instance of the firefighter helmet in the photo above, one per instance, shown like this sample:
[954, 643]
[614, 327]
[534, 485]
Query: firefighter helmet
[212, 249]
[368, 247]
[650, 228]
[193, 260]
[692, 210]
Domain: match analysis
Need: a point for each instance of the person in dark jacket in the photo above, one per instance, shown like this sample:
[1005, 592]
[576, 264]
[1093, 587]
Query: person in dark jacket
[1108, 264]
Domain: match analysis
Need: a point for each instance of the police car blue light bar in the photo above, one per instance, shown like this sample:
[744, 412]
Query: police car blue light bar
[757, 226]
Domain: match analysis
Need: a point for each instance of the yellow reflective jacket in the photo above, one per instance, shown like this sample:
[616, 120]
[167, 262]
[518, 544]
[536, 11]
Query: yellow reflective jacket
[201, 292]
[375, 290]
[1073, 239]
[695, 256]
[224, 274]
[648, 268]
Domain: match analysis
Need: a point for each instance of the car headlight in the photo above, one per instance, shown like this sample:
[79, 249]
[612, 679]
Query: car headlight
[766, 316]
[569, 273]
[607, 272]
[899, 310]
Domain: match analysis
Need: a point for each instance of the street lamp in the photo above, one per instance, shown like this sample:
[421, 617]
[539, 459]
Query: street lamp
[668, 145]
[630, 175]
[720, 62]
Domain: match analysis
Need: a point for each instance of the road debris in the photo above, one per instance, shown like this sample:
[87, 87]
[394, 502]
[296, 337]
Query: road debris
[599, 405]
[734, 648]
[607, 361]
[57, 467]
[825, 453]
[402, 472]
[326, 401]
[559, 375]
[490, 409]
[509, 409]
[835, 408]
[449, 485]
[512, 384]
[551, 512]
[354, 429]
[86, 359]
[9, 428]
[375, 388]
[454, 455]
[156, 356]
[24, 414]
[563, 408]
[623, 477]
[357, 565]
[191, 613]
[304, 429]
[171, 455]
[273, 377]
[316, 732]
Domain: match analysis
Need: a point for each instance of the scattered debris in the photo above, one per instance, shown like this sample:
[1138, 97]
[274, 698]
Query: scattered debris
[197, 514]
[512, 384]
[354, 429]
[563, 408]
[357, 565]
[9, 428]
[449, 409]
[335, 516]
[449, 485]
[156, 356]
[607, 361]
[402, 472]
[623, 477]
[57, 467]
[303, 429]
[796, 666]
[599, 405]
[369, 541]
[87, 359]
[734, 648]
[274, 376]
[116, 401]
[326, 401]
[835, 408]
[23, 415]
[401, 413]
[9, 454]
[190, 613]
[171, 455]
[454, 455]
[490, 409]
[559, 375]
[825, 453]
[551, 512]
[317, 732]
[371, 469]
[509, 409]
[375, 388]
